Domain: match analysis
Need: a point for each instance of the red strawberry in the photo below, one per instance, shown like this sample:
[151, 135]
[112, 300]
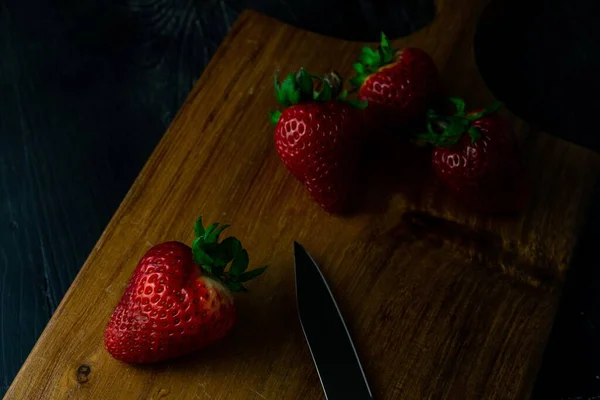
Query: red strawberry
[179, 298]
[318, 137]
[398, 85]
[476, 157]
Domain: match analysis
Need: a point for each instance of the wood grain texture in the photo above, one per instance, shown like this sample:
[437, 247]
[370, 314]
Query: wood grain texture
[87, 89]
[442, 304]
[568, 353]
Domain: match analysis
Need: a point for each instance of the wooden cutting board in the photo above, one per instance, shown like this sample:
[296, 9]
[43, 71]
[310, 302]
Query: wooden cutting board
[441, 303]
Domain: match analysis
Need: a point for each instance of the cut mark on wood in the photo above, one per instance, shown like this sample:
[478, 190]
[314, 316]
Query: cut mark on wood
[487, 247]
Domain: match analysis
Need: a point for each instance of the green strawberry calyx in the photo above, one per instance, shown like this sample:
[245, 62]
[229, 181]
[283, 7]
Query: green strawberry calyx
[371, 60]
[214, 256]
[447, 130]
[299, 87]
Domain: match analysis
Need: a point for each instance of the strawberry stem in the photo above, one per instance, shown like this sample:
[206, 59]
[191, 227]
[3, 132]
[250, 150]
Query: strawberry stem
[299, 87]
[371, 60]
[448, 130]
[214, 256]
[335, 82]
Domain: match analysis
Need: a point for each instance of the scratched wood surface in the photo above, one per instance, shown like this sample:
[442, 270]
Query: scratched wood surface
[442, 304]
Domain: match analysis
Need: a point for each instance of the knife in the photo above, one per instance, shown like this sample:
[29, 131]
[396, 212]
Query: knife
[331, 347]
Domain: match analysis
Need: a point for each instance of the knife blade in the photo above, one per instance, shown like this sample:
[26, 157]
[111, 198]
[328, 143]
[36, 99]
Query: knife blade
[326, 333]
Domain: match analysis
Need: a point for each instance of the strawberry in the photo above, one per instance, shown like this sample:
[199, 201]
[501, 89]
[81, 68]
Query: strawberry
[179, 298]
[318, 137]
[398, 85]
[476, 157]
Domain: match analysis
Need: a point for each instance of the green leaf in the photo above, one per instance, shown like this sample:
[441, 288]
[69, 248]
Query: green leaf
[233, 246]
[387, 55]
[381, 55]
[369, 57]
[304, 83]
[460, 105]
[200, 255]
[430, 128]
[294, 97]
[460, 121]
[384, 40]
[274, 116]
[356, 82]
[236, 287]
[199, 227]
[377, 61]
[281, 98]
[358, 103]
[291, 95]
[289, 83]
[369, 51]
[359, 68]
[209, 231]
[214, 236]
[475, 134]
[214, 256]
[279, 95]
[240, 263]
[431, 136]
[217, 270]
[211, 228]
[431, 114]
[343, 95]
[386, 52]
[226, 251]
[219, 263]
[246, 276]
[456, 128]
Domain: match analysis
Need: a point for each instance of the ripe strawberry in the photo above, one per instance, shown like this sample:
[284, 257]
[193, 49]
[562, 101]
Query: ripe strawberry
[179, 298]
[476, 157]
[318, 137]
[398, 85]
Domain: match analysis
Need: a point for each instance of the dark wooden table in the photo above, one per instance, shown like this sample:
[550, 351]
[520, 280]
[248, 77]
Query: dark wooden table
[87, 89]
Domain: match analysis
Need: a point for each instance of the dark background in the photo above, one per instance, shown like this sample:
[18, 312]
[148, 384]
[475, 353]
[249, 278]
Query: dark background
[88, 87]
